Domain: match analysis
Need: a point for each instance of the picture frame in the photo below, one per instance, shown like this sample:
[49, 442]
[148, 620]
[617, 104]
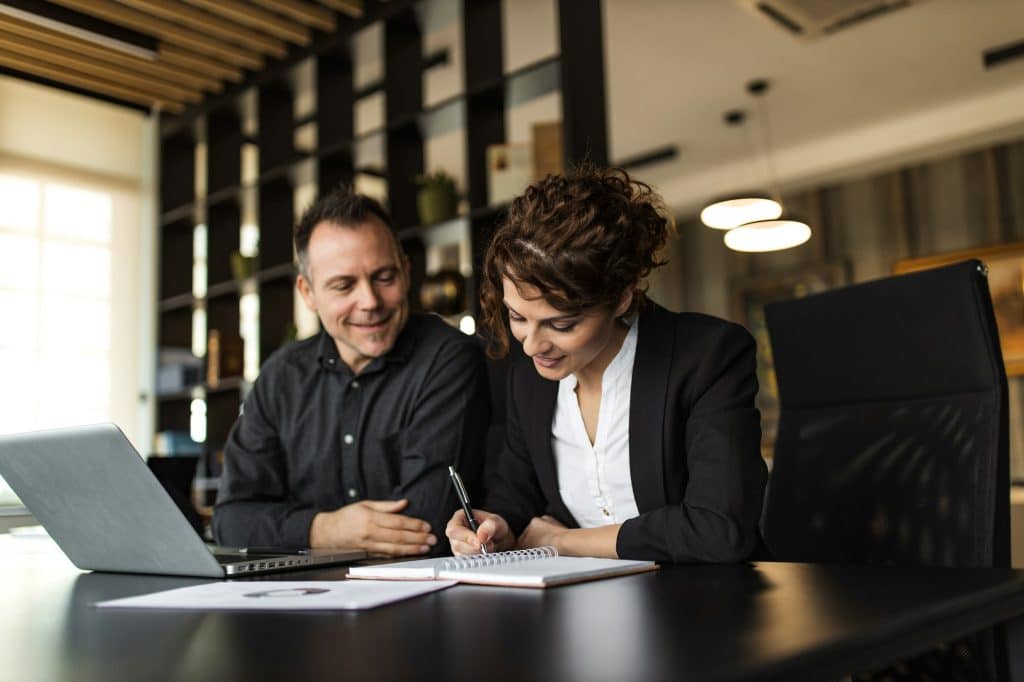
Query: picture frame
[748, 296]
[1005, 263]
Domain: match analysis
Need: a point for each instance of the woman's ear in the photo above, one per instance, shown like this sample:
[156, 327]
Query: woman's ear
[625, 302]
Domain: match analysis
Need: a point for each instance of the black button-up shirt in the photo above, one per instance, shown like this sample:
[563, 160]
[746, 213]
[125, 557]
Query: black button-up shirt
[314, 437]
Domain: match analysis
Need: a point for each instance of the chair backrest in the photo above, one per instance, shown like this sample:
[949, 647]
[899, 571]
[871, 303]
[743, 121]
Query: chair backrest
[892, 443]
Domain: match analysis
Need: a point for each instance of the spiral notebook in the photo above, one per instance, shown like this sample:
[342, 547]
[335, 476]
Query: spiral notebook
[539, 567]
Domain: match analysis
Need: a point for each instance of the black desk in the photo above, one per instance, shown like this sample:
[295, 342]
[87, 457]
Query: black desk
[746, 622]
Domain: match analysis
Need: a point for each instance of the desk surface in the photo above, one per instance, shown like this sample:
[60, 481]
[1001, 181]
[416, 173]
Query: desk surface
[742, 622]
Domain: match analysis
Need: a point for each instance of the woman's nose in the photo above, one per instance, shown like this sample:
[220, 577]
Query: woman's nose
[534, 343]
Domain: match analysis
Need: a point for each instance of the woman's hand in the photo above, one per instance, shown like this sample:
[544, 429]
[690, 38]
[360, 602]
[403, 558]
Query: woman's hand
[492, 532]
[542, 531]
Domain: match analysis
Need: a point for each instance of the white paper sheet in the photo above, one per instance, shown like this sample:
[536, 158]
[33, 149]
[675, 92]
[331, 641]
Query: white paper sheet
[281, 595]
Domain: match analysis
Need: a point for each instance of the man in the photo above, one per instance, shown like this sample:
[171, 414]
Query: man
[346, 437]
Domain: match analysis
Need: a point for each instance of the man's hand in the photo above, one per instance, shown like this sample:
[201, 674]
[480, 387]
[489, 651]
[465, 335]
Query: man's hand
[492, 532]
[372, 525]
[542, 531]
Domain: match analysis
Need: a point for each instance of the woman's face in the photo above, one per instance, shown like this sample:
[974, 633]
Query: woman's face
[559, 343]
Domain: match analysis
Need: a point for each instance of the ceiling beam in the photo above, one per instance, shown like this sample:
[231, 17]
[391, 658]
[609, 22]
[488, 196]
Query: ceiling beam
[72, 45]
[353, 8]
[188, 59]
[211, 24]
[249, 14]
[82, 25]
[19, 63]
[94, 67]
[168, 32]
[308, 13]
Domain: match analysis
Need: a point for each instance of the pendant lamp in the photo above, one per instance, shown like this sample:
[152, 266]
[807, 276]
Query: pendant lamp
[760, 236]
[749, 231]
[731, 211]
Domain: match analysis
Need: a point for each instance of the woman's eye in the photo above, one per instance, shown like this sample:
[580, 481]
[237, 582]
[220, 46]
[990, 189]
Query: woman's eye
[564, 327]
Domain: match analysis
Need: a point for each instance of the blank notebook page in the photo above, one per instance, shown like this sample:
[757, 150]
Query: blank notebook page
[547, 571]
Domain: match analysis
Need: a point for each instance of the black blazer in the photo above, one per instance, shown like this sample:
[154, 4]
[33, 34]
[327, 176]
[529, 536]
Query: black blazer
[694, 443]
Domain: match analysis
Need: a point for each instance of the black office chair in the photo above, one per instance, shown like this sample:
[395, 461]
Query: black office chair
[892, 445]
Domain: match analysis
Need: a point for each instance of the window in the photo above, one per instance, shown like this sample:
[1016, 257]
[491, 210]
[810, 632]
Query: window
[57, 304]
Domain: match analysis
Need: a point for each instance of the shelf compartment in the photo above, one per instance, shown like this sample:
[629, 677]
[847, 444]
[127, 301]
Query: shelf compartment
[276, 123]
[276, 218]
[277, 314]
[176, 260]
[177, 170]
[174, 414]
[223, 223]
[224, 150]
[174, 328]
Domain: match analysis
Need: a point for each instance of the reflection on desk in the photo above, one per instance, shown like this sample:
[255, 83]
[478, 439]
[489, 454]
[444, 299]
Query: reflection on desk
[738, 622]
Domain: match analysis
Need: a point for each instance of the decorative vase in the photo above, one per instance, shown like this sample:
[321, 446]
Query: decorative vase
[444, 292]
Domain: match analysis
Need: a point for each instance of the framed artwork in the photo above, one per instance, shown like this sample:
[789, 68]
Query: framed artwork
[1005, 265]
[748, 296]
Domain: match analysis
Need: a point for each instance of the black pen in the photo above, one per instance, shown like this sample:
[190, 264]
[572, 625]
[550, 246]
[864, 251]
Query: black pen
[460, 490]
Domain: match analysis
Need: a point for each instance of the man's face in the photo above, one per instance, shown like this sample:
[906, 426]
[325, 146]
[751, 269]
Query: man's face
[357, 284]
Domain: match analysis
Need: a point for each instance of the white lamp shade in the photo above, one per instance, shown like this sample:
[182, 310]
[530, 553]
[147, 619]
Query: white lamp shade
[768, 235]
[729, 213]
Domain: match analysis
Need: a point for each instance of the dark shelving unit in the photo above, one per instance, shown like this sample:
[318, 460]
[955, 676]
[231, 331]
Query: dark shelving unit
[478, 111]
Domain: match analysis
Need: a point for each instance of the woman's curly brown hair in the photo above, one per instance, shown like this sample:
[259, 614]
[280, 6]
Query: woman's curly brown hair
[583, 239]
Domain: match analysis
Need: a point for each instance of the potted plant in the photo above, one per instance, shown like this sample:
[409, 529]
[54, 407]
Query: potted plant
[243, 266]
[436, 200]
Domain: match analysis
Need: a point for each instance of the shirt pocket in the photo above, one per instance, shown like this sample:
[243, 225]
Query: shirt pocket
[382, 465]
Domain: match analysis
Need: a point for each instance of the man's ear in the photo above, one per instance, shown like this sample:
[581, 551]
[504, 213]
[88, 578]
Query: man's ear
[305, 288]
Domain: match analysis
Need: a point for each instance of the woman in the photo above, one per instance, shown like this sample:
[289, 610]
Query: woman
[631, 430]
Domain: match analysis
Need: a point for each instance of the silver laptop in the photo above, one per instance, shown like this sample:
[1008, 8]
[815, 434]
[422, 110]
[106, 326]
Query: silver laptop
[95, 496]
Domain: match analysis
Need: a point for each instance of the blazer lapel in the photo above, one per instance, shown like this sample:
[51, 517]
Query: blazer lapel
[647, 399]
[543, 400]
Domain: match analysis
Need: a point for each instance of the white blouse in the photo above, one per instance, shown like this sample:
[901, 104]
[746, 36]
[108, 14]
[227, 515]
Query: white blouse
[594, 480]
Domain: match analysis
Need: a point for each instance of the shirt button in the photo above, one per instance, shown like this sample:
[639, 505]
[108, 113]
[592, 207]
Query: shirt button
[331, 362]
[354, 384]
[605, 511]
[348, 439]
[352, 492]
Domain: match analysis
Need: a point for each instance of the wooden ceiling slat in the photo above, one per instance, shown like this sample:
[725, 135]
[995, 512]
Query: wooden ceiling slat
[18, 62]
[94, 67]
[179, 58]
[249, 14]
[138, 65]
[211, 24]
[172, 54]
[353, 8]
[310, 14]
[119, 14]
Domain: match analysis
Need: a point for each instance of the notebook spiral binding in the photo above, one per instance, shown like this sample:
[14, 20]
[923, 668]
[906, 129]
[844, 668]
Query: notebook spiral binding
[498, 558]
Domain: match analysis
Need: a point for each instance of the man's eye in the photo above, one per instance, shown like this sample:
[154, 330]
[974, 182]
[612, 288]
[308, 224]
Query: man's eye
[387, 278]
